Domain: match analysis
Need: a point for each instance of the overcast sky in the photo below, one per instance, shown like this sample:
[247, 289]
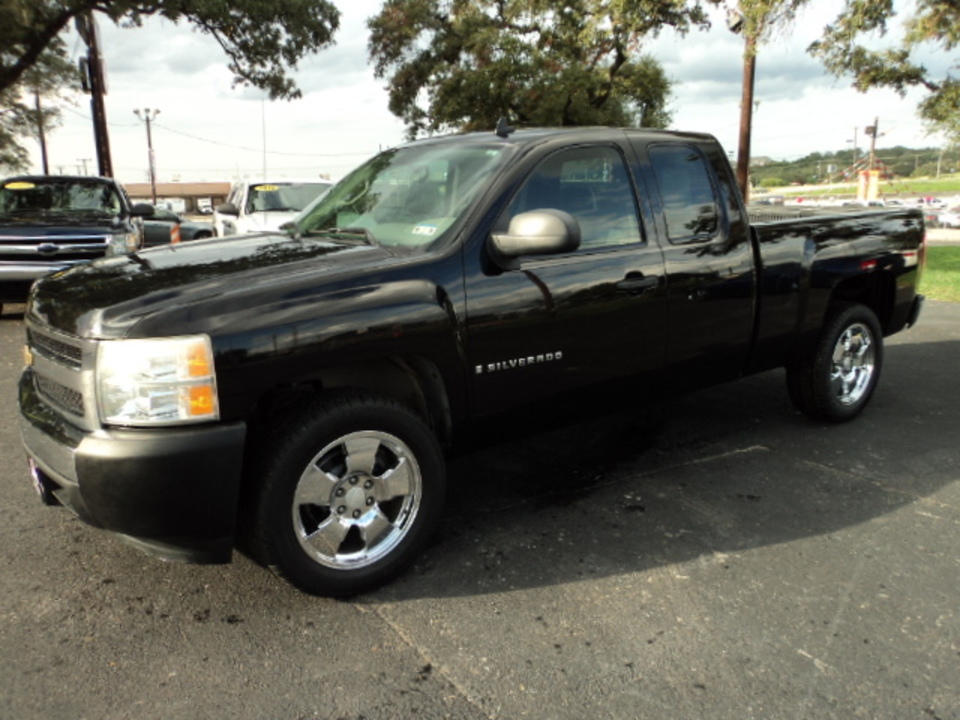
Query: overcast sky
[209, 130]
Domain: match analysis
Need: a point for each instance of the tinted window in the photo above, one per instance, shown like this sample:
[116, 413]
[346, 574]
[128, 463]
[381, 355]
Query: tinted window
[590, 183]
[689, 203]
[59, 195]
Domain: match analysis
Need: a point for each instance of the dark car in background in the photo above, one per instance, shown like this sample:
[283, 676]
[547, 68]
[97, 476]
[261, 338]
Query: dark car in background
[50, 222]
[157, 228]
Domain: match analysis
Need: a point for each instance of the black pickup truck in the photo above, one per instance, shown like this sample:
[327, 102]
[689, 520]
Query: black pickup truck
[296, 394]
[51, 222]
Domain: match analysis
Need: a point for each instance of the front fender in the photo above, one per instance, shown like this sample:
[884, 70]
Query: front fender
[297, 342]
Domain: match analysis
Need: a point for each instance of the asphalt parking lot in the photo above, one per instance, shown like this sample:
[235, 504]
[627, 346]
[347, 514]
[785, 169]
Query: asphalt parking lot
[718, 557]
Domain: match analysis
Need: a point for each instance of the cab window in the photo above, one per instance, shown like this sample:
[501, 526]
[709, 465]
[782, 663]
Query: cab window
[592, 185]
[687, 196]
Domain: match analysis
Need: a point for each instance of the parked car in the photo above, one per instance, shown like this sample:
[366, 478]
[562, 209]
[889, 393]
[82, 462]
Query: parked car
[264, 206]
[156, 228]
[949, 218]
[299, 392]
[50, 222]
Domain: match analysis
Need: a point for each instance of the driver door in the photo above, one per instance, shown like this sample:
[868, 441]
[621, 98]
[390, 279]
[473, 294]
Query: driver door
[562, 323]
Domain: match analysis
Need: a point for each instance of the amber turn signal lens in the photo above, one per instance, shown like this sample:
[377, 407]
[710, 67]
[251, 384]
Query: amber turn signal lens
[201, 400]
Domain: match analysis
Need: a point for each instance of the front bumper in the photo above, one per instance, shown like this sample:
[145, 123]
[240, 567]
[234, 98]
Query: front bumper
[173, 492]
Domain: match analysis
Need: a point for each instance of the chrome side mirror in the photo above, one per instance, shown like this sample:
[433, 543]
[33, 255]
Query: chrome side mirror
[538, 232]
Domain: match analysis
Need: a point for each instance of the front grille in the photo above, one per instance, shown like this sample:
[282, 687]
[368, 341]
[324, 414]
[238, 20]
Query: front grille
[57, 350]
[60, 395]
[63, 373]
[55, 260]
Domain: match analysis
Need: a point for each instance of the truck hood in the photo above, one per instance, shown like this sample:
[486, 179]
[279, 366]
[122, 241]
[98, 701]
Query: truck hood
[106, 298]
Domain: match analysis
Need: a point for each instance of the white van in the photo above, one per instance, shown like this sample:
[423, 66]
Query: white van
[264, 206]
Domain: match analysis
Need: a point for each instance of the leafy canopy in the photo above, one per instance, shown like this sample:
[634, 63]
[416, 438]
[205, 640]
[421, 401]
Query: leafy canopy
[935, 24]
[764, 19]
[261, 39]
[49, 80]
[465, 63]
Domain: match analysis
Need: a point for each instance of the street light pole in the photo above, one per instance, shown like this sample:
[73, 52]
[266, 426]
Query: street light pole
[149, 116]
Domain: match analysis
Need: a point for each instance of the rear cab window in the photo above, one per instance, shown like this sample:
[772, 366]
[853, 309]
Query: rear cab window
[687, 194]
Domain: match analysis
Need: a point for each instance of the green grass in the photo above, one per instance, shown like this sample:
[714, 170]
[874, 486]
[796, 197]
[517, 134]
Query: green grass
[903, 187]
[941, 279]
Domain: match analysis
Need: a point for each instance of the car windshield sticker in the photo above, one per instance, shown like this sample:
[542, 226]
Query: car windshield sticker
[266, 188]
[424, 229]
[20, 185]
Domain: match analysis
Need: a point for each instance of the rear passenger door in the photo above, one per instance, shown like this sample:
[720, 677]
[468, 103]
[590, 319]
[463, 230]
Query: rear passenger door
[708, 258]
[564, 322]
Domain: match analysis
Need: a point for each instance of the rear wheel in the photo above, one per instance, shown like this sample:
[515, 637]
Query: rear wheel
[348, 495]
[838, 380]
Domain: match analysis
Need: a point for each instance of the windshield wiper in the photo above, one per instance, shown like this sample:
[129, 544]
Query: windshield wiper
[341, 233]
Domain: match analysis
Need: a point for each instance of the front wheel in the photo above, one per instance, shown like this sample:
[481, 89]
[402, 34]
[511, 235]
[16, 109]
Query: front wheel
[348, 496]
[838, 380]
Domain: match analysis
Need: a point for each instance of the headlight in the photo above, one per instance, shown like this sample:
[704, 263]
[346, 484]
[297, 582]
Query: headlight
[123, 243]
[163, 381]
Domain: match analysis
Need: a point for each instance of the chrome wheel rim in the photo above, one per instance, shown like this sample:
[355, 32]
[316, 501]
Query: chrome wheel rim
[357, 499]
[853, 364]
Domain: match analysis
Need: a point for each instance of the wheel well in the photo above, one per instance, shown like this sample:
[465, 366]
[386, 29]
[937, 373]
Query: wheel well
[416, 382]
[876, 291]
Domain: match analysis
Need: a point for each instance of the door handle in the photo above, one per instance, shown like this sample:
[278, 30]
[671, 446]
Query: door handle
[637, 283]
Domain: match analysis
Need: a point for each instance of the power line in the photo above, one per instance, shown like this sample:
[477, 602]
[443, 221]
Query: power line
[250, 149]
[219, 143]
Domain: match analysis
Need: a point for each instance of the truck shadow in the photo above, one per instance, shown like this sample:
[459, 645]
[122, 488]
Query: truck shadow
[720, 471]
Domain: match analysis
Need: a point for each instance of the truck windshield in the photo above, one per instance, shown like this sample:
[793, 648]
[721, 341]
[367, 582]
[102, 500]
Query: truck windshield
[283, 197]
[38, 196]
[409, 196]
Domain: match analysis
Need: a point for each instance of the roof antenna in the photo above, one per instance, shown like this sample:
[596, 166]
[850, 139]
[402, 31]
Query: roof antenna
[504, 130]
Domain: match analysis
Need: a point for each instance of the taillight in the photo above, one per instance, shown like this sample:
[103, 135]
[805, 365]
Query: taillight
[922, 256]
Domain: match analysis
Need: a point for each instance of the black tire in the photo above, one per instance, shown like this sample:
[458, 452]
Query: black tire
[202, 234]
[346, 495]
[837, 381]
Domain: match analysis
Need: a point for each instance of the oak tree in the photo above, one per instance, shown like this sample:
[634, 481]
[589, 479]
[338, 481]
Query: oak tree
[850, 47]
[32, 106]
[261, 39]
[462, 64]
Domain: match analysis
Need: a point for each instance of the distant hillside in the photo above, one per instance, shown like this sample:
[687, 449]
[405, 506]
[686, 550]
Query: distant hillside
[838, 167]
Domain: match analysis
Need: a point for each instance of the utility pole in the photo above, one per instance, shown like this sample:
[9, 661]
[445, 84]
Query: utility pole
[149, 116]
[737, 24]
[40, 133]
[873, 132]
[93, 78]
[746, 115]
[84, 161]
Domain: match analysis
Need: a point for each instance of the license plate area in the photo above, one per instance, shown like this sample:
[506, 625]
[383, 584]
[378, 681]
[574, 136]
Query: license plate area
[43, 484]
